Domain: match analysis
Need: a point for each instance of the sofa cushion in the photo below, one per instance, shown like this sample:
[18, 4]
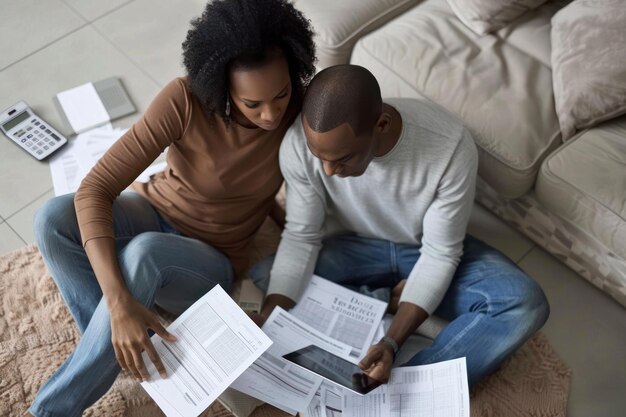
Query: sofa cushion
[484, 16]
[338, 24]
[530, 33]
[501, 93]
[584, 182]
[589, 63]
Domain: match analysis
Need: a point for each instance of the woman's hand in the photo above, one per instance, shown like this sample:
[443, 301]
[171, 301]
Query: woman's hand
[378, 362]
[130, 321]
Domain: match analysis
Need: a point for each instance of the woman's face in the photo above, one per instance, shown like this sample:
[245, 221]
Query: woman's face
[260, 96]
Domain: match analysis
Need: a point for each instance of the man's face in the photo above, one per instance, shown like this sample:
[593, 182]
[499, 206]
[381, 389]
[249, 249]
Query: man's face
[342, 152]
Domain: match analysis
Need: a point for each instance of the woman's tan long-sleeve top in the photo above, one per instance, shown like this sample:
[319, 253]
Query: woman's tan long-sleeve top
[220, 180]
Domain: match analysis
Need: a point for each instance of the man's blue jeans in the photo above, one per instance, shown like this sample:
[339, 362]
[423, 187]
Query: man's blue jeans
[159, 267]
[493, 307]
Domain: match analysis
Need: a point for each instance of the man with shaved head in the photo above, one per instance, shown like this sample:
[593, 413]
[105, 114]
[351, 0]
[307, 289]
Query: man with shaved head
[379, 195]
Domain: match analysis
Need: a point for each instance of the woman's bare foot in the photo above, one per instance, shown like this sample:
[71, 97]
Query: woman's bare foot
[394, 299]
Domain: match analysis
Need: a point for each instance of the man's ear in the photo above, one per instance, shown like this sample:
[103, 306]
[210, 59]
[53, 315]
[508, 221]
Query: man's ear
[383, 124]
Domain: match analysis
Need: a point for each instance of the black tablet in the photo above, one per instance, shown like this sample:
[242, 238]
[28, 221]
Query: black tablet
[333, 368]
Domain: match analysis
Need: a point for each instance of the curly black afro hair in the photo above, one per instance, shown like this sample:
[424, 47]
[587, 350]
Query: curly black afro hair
[241, 33]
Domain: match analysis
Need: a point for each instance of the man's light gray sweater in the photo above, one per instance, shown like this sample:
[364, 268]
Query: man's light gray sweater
[421, 192]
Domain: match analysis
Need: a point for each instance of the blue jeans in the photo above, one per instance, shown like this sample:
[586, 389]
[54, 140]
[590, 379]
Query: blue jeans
[160, 267]
[493, 307]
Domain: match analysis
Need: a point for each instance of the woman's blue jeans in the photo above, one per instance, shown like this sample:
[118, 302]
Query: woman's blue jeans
[160, 267]
[493, 307]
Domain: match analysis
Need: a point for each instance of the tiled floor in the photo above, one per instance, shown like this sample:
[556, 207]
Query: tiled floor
[66, 43]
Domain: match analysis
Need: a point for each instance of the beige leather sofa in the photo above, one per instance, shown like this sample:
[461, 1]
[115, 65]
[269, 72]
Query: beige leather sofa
[570, 198]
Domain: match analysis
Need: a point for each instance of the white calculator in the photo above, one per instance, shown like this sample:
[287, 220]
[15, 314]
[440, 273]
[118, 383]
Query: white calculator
[20, 124]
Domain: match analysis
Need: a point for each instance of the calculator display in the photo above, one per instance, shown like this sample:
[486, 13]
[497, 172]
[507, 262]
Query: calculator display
[16, 120]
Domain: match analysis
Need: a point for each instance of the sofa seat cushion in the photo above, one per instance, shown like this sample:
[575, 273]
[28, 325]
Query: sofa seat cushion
[584, 182]
[338, 24]
[501, 93]
[530, 33]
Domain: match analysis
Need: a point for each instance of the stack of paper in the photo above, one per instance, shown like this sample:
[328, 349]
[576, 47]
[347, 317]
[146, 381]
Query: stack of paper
[328, 315]
[346, 323]
[72, 164]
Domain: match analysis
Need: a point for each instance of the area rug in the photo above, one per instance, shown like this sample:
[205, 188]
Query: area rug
[37, 334]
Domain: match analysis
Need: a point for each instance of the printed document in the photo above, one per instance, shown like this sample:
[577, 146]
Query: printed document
[216, 343]
[278, 382]
[327, 402]
[70, 166]
[436, 390]
[342, 314]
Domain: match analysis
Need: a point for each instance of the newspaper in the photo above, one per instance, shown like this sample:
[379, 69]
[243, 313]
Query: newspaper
[278, 382]
[342, 314]
[216, 342]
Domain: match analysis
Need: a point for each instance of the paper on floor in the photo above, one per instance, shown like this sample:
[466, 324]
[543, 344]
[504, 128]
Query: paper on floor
[70, 166]
[278, 382]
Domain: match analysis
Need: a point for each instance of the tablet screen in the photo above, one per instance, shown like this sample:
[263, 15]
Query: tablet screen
[333, 368]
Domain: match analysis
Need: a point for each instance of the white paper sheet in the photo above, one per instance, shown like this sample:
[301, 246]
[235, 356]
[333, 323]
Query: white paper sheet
[327, 402]
[315, 407]
[342, 314]
[83, 107]
[65, 170]
[216, 342]
[331, 399]
[74, 162]
[436, 390]
[276, 381]
[70, 166]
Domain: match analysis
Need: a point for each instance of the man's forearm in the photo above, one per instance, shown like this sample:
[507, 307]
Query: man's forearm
[408, 318]
[273, 300]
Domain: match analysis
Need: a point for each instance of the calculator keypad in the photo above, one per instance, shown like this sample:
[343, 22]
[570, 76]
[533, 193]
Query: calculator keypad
[37, 138]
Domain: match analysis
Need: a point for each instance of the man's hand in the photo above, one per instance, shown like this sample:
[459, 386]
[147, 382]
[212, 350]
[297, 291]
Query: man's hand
[274, 300]
[378, 362]
[129, 324]
[258, 319]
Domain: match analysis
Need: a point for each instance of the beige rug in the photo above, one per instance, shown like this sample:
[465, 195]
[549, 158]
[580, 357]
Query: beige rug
[37, 334]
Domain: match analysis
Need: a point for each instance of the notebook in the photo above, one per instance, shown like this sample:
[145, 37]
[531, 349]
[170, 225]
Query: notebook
[93, 104]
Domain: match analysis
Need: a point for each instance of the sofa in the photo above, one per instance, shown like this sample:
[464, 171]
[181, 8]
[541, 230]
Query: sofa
[565, 192]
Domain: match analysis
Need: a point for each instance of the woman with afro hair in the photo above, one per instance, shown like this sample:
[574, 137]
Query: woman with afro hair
[114, 254]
